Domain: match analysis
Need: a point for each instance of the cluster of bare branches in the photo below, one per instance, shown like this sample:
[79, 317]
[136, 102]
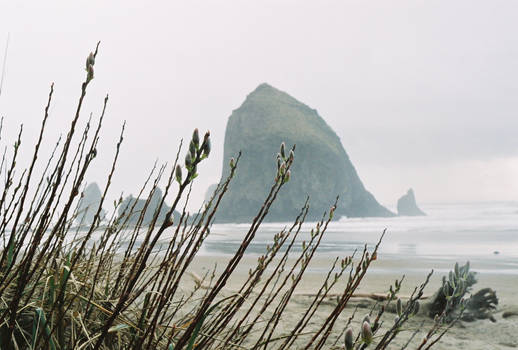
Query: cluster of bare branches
[116, 285]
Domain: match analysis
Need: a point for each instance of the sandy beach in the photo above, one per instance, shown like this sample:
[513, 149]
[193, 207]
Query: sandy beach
[481, 334]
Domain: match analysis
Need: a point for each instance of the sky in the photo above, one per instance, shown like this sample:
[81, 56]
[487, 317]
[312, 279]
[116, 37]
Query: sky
[423, 94]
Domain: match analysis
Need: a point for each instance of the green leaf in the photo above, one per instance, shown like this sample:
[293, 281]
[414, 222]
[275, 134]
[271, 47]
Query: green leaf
[10, 254]
[52, 290]
[40, 319]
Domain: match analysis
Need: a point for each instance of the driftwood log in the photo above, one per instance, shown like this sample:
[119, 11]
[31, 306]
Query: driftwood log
[373, 296]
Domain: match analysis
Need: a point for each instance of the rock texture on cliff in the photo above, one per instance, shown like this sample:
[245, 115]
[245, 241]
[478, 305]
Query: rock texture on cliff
[407, 206]
[91, 197]
[322, 168]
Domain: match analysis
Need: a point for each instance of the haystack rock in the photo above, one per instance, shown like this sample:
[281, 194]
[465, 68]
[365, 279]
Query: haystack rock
[321, 170]
[407, 206]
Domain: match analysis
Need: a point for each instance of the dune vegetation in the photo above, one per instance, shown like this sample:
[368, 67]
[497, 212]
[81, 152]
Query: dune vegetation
[120, 283]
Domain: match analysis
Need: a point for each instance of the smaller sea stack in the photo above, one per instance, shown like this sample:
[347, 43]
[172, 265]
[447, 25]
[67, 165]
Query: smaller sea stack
[407, 206]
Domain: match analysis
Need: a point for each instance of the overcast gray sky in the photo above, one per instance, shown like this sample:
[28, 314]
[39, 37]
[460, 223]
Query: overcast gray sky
[423, 94]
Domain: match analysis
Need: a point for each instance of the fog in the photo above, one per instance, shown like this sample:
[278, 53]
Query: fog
[423, 94]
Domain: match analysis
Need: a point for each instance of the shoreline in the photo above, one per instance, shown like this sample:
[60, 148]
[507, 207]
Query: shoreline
[381, 274]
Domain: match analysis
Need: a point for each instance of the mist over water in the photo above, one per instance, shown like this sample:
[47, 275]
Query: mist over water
[485, 232]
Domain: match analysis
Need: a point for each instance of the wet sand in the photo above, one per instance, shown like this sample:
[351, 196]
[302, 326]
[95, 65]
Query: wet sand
[482, 334]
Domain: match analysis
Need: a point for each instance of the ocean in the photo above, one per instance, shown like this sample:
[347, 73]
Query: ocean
[485, 232]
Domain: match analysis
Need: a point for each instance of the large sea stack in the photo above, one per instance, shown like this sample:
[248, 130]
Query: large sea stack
[322, 170]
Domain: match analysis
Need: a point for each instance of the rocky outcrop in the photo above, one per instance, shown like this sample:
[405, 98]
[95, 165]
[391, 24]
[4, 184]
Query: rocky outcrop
[89, 204]
[322, 168]
[407, 206]
[128, 202]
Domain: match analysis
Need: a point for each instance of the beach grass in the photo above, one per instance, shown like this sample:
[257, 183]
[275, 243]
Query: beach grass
[120, 284]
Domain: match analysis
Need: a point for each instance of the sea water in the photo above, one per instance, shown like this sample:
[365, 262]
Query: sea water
[485, 231]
